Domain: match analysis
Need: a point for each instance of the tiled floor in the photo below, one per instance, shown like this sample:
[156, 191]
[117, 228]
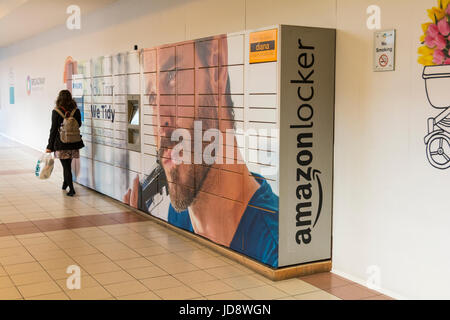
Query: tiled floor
[121, 255]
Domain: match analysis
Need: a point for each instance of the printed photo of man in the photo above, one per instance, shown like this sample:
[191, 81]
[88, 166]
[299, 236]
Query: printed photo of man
[189, 90]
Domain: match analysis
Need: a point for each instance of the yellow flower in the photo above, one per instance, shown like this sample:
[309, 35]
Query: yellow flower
[444, 3]
[436, 13]
[426, 60]
[425, 26]
[424, 50]
[422, 38]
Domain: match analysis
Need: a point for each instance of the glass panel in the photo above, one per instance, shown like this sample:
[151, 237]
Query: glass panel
[133, 112]
[133, 136]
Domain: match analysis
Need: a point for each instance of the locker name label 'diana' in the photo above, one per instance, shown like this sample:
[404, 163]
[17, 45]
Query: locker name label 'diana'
[263, 46]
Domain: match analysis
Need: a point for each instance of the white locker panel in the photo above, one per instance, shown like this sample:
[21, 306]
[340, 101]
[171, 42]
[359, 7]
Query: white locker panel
[108, 125]
[120, 126]
[133, 85]
[104, 178]
[149, 129]
[121, 135]
[120, 117]
[87, 150]
[235, 49]
[260, 125]
[120, 99]
[120, 158]
[148, 120]
[85, 175]
[149, 149]
[87, 83]
[238, 114]
[77, 85]
[263, 115]
[149, 139]
[120, 108]
[120, 84]
[97, 67]
[263, 101]
[262, 77]
[149, 163]
[236, 75]
[134, 161]
[107, 66]
[133, 62]
[237, 100]
[84, 68]
[121, 183]
[120, 63]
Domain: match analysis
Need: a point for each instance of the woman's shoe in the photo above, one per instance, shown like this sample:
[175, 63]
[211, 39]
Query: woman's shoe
[64, 186]
[71, 193]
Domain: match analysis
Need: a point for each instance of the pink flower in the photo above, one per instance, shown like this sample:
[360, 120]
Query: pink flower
[444, 27]
[440, 42]
[447, 61]
[438, 56]
[430, 42]
[432, 30]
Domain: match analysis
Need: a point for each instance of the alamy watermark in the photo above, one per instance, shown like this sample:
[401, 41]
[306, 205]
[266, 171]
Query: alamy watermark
[374, 20]
[232, 147]
[374, 277]
[73, 22]
[73, 282]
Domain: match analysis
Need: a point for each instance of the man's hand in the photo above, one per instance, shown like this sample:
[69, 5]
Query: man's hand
[132, 195]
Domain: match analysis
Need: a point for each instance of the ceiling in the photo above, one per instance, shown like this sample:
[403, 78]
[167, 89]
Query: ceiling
[22, 19]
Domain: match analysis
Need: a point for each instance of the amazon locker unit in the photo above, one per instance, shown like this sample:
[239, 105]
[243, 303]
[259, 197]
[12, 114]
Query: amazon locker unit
[229, 137]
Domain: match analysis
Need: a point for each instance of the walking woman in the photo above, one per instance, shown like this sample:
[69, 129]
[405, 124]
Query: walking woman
[65, 139]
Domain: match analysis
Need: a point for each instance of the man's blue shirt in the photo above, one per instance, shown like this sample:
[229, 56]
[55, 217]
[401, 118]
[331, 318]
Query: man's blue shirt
[257, 233]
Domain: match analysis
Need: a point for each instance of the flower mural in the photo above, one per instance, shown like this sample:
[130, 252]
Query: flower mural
[436, 38]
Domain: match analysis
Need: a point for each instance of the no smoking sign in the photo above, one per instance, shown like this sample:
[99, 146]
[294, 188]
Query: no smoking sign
[383, 61]
[384, 50]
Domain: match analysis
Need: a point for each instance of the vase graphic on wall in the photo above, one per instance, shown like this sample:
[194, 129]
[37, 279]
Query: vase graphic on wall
[434, 55]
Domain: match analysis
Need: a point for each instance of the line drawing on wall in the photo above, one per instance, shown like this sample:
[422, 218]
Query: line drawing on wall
[434, 55]
[437, 140]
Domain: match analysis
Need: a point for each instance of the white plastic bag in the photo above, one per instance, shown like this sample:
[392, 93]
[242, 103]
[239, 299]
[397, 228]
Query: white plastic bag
[44, 166]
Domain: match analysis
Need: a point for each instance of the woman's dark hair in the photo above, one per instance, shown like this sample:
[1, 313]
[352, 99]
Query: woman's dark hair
[66, 101]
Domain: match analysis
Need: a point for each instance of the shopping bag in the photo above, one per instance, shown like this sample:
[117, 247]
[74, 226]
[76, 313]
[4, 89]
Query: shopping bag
[44, 166]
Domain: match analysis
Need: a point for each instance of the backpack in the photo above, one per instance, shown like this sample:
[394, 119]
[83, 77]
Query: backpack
[69, 132]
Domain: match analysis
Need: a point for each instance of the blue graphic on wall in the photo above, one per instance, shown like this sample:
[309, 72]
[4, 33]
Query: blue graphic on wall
[80, 104]
[12, 99]
[437, 141]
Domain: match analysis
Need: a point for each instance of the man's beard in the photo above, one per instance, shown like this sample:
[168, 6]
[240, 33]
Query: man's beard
[183, 193]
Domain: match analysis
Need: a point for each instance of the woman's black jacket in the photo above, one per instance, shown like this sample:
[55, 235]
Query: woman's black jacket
[54, 142]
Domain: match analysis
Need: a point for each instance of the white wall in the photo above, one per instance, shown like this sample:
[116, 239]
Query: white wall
[390, 208]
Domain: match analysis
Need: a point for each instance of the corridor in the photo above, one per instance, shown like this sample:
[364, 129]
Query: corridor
[121, 254]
